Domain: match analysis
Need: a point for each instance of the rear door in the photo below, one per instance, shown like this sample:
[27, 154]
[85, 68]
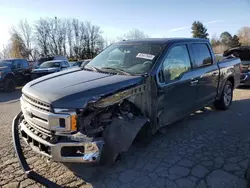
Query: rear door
[176, 85]
[205, 74]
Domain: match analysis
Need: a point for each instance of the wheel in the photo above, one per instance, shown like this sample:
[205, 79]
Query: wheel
[226, 97]
[9, 85]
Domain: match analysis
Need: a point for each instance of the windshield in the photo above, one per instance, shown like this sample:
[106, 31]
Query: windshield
[5, 63]
[49, 64]
[133, 58]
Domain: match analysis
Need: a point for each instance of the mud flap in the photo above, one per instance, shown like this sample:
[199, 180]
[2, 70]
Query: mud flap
[18, 149]
[120, 134]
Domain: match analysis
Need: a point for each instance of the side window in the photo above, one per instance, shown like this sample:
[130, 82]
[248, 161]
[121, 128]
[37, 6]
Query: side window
[176, 63]
[202, 56]
[16, 64]
[64, 64]
[25, 63]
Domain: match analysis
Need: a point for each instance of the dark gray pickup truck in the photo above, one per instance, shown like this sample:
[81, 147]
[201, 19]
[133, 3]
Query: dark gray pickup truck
[130, 90]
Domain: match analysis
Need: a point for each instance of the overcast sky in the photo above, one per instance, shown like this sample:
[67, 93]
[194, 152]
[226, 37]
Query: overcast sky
[157, 18]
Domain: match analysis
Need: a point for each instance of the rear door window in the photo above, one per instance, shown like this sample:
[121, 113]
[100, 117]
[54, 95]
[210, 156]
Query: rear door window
[202, 55]
[17, 64]
[65, 64]
[25, 64]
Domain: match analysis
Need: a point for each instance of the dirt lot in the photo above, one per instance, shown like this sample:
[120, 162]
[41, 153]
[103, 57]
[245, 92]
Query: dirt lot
[207, 149]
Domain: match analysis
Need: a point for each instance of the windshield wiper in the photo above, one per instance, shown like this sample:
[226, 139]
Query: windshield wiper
[92, 68]
[118, 70]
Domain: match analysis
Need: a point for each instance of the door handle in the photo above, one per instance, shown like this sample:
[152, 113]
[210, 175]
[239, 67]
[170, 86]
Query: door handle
[193, 82]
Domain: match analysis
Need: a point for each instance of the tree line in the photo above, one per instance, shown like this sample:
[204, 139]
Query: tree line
[53, 36]
[225, 40]
[46, 37]
[78, 39]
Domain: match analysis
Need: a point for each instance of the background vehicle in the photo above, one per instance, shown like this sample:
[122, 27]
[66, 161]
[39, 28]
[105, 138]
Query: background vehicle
[243, 53]
[13, 72]
[41, 60]
[79, 63]
[102, 107]
[49, 67]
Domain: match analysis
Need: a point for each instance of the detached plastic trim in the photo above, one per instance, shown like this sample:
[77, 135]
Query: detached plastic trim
[18, 149]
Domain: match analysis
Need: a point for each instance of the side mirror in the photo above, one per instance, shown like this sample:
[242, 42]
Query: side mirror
[83, 64]
[64, 66]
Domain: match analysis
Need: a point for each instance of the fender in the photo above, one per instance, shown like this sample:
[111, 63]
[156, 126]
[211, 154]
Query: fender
[8, 75]
[230, 77]
[120, 134]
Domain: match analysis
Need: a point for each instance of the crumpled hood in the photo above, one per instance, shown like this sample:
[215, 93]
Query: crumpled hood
[40, 70]
[74, 88]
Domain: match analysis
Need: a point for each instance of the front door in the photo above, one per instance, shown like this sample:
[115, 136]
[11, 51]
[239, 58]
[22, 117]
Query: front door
[17, 70]
[176, 85]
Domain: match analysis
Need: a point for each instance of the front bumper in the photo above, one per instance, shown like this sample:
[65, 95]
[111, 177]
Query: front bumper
[91, 149]
[245, 79]
[85, 150]
[18, 149]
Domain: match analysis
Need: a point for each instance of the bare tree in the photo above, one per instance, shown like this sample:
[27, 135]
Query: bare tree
[25, 31]
[76, 34]
[6, 51]
[96, 41]
[42, 35]
[133, 34]
[244, 36]
[69, 36]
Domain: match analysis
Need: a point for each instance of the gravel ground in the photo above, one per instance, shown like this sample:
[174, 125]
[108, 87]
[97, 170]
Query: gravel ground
[206, 149]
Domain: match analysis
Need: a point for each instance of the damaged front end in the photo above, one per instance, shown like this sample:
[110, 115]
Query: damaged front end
[93, 135]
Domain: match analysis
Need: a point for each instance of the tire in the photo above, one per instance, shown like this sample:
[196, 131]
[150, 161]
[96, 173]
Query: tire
[9, 85]
[226, 98]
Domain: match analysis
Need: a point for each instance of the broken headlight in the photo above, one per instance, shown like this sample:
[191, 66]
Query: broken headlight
[73, 116]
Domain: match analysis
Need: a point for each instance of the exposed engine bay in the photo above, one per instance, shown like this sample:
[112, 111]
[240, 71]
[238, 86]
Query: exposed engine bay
[93, 121]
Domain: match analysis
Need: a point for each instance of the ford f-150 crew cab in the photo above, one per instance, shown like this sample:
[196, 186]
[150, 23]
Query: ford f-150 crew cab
[92, 113]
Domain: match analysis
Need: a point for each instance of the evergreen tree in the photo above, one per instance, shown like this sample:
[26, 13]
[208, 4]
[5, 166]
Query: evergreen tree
[199, 30]
[226, 38]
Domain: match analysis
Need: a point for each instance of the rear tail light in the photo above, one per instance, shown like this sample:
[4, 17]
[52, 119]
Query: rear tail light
[240, 67]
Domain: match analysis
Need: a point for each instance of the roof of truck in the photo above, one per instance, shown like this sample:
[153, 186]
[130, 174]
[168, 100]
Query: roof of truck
[55, 61]
[166, 40]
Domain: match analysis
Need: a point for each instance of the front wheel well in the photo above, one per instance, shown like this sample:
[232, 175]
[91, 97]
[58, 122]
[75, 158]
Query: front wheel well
[231, 79]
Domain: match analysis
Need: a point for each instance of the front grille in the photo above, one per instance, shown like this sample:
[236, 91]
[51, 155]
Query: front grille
[34, 143]
[44, 134]
[36, 103]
